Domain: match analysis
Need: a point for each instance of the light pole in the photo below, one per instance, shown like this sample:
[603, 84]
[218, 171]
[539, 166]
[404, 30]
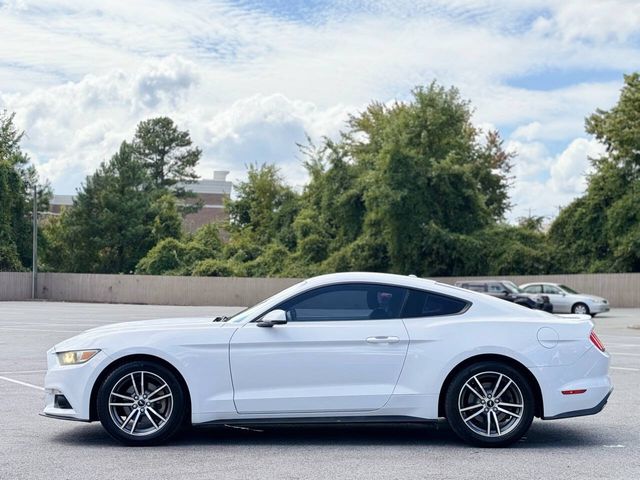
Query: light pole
[34, 259]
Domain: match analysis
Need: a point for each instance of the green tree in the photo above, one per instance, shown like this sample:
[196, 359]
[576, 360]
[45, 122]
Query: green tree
[172, 256]
[167, 153]
[17, 181]
[167, 222]
[407, 176]
[114, 220]
[600, 231]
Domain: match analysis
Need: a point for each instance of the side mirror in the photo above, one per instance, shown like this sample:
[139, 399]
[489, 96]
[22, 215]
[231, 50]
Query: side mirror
[274, 317]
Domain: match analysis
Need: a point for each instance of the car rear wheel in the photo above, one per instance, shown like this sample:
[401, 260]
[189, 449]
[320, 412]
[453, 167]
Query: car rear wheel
[489, 404]
[580, 309]
[141, 403]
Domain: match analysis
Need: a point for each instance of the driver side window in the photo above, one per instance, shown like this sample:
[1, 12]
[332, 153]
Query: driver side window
[551, 289]
[346, 302]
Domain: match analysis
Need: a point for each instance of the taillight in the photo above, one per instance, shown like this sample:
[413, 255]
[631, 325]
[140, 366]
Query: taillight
[596, 341]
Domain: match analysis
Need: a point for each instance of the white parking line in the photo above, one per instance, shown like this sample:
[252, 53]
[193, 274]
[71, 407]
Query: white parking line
[14, 329]
[21, 371]
[51, 324]
[25, 384]
[626, 354]
[626, 368]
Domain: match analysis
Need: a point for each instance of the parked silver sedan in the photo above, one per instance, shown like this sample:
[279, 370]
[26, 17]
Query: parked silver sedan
[566, 300]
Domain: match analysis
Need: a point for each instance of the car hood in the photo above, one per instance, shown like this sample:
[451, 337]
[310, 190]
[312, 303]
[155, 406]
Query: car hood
[592, 298]
[167, 325]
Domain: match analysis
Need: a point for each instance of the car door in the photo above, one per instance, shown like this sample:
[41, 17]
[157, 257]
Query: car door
[560, 301]
[342, 350]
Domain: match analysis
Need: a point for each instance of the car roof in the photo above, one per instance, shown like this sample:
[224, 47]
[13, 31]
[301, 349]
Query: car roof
[541, 283]
[372, 277]
[487, 280]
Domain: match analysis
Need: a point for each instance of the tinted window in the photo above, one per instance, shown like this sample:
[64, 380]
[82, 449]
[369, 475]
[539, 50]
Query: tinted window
[496, 288]
[427, 304]
[512, 287]
[476, 287]
[551, 289]
[569, 290]
[533, 289]
[346, 302]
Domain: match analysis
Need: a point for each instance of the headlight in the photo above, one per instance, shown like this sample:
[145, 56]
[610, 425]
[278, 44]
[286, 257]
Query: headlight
[75, 357]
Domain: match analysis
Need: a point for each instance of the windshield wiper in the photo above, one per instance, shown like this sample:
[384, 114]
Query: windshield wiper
[221, 318]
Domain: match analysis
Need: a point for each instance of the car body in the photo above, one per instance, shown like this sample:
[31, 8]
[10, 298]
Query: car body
[566, 300]
[509, 291]
[346, 347]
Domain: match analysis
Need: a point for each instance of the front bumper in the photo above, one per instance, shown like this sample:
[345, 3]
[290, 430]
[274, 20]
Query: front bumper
[599, 307]
[74, 382]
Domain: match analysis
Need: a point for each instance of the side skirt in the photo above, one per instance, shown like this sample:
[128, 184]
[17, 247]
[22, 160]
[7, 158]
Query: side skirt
[373, 419]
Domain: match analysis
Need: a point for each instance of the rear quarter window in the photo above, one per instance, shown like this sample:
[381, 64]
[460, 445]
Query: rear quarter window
[420, 303]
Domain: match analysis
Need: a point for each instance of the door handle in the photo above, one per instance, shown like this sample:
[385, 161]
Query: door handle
[383, 339]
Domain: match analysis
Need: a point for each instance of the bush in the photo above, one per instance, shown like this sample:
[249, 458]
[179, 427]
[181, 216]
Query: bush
[212, 267]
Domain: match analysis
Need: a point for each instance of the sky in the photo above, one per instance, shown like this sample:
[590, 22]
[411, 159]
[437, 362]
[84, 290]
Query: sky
[251, 79]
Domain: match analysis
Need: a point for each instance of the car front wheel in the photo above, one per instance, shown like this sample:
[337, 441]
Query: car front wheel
[489, 404]
[580, 309]
[141, 403]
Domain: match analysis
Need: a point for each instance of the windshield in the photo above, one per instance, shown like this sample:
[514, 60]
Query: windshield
[512, 287]
[568, 290]
[252, 311]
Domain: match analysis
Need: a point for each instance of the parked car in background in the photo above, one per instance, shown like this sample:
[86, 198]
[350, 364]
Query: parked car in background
[566, 300]
[507, 290]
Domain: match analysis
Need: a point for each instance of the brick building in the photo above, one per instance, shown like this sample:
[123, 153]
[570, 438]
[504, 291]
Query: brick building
[212, 193]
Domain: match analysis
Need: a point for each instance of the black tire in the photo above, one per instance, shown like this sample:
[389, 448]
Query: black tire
[514, 427]
[580, 304]
[173, 408]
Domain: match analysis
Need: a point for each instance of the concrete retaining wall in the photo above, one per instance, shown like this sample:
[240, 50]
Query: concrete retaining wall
[15, 286]
[621, 289]
[158, 290]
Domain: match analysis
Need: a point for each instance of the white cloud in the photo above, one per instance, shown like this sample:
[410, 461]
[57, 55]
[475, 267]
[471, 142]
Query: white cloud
[596, 21]
[569, 171]
[546, 181]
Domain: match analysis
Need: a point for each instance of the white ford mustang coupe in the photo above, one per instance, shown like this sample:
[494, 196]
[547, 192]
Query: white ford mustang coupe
[346, 347]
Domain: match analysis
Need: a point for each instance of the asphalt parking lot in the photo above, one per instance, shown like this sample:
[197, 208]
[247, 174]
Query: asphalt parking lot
[602, 446]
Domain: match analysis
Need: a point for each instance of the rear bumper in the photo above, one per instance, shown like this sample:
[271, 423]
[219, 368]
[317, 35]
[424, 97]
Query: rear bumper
[589, 373]
[581, 413]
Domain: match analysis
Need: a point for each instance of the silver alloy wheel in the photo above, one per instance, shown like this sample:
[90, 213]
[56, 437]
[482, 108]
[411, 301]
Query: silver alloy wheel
[580, 309]
[140, 403]
[491, 404]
